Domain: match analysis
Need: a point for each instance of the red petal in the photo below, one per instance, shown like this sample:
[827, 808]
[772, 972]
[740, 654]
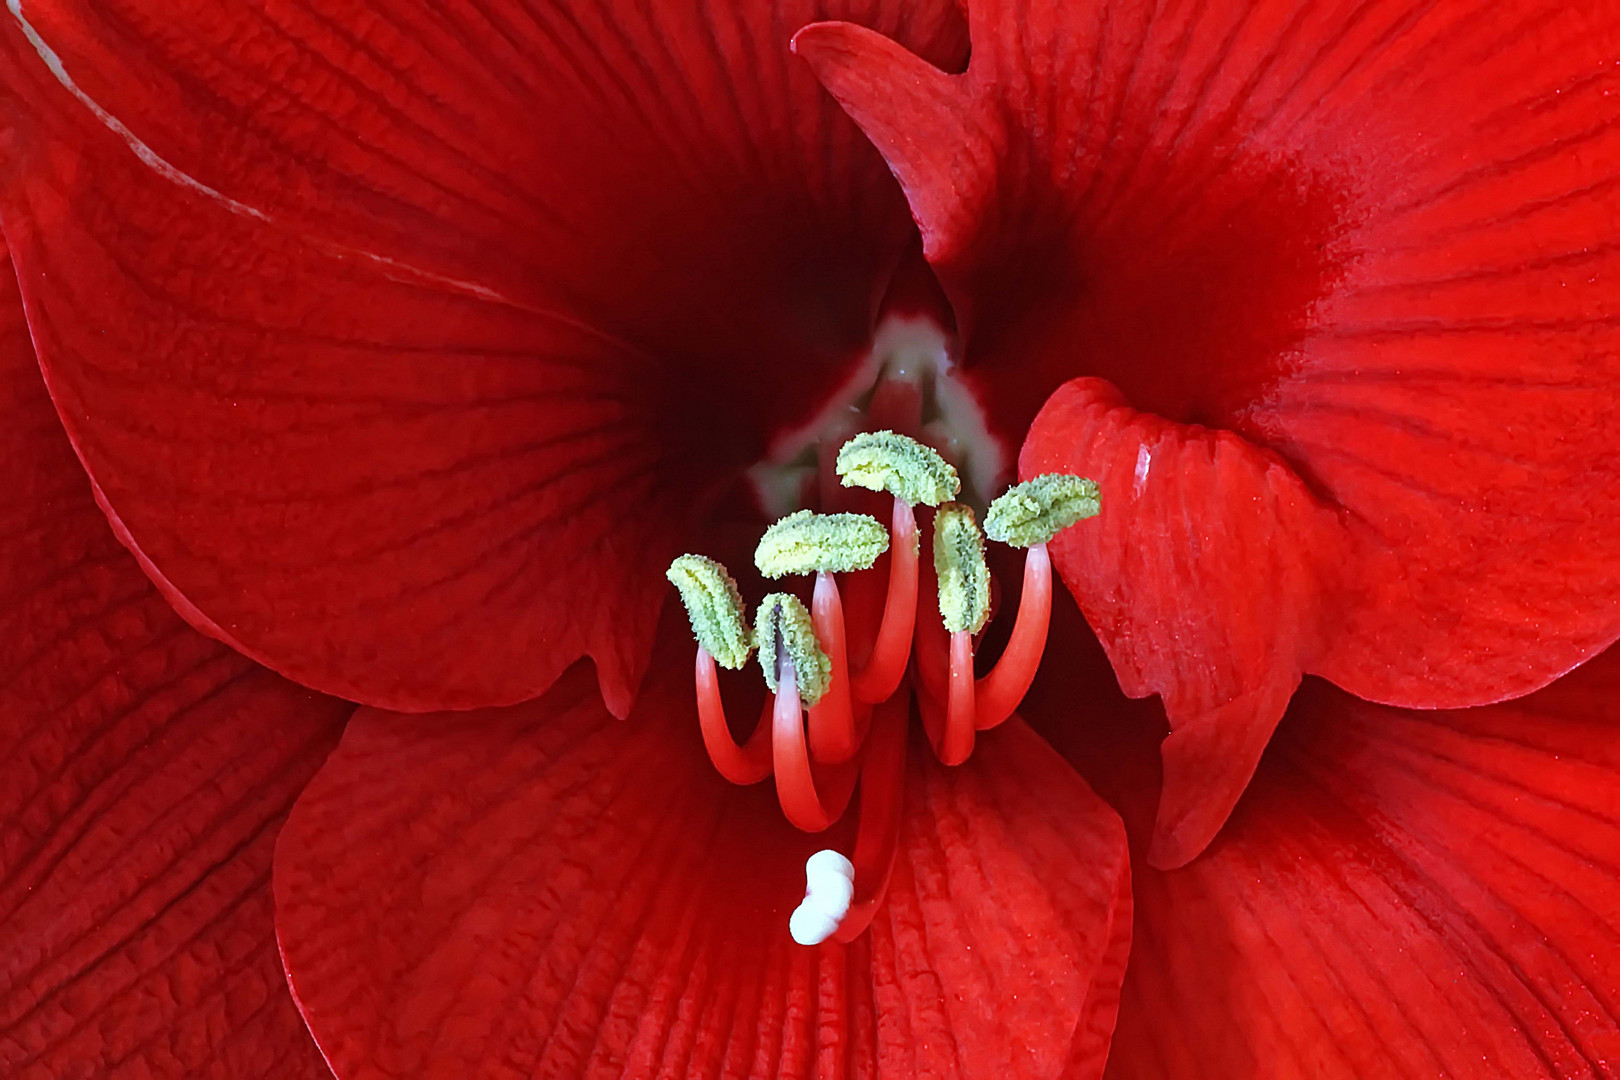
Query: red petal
[409, 345]
[1366, 239]
[545, 891]
[1217, 612]
[144, 771]
[1400, 894]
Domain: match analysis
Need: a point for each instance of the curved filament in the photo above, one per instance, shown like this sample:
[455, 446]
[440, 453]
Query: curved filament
[833, 736]
[959, 704]
[931, 642]
[746, 764]
[811, 802]
[1000, 691]
[884, 669]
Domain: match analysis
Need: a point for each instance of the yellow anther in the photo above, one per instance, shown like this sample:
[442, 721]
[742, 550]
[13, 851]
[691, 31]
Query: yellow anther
[905, 468]
[714, 607]
[1035, 511]
[784, 624]
[964, 579]
[803, 543]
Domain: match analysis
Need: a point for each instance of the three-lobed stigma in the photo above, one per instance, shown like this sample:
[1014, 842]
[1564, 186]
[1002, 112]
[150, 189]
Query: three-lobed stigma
[807, 543]
[903, 467]
[1038, 509]
[714, 606]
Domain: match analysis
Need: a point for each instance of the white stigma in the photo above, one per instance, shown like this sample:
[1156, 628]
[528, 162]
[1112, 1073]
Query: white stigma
[829, 887]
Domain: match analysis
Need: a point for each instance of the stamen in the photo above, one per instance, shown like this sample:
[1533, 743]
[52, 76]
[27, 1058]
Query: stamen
[833, 737]
[964, 577]
[810, 804]
[829, 886]
[856, 730]
[904, 467]
[714, 607]
[747, 764]
[784, 631]
[805, 542]
[1035, 511]
[886, 666]
[956, 746]
[933, 641]
[999, 692]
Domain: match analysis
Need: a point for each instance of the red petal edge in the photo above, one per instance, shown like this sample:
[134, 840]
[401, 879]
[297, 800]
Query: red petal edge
[544, 891]
[1399, 895]
[407, 344]
[144, 771]
[1404, 319]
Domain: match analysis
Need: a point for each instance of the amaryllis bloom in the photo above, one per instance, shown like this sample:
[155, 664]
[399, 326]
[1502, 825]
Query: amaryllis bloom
[364, 364]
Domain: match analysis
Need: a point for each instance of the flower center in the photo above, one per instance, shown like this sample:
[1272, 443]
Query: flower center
[830, 723]
[906, 383]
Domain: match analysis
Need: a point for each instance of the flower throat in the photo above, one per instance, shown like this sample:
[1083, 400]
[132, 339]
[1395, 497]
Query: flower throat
[830, 723]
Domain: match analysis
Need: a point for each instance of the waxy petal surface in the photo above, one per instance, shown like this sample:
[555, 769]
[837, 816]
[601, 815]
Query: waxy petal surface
[144, 771]
[406, 344]
[1369, 240]
[545, 891]
[1190, 600]
[1399, 895]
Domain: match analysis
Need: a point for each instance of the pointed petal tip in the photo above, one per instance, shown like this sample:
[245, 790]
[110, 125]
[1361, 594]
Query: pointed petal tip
[1209, 760]
[812, 34]
[1377, 847]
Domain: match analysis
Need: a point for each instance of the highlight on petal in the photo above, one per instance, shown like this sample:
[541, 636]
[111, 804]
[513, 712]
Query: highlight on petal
[406, 345]
[1217, 612]
[544, 890]
[145, 773]
[1347, 267]
[1401, 893]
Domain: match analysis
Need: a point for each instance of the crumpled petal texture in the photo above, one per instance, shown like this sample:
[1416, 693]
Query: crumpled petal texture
[545, 891]
[407, 344]
[1371, 243]
[144, 772]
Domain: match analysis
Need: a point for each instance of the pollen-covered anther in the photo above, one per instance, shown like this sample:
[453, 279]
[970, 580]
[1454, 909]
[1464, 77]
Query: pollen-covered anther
[783, 626]
[714, 607]
[1035, 511]
[964, 577]
[829, 887]
[806, 542]
[902, 466]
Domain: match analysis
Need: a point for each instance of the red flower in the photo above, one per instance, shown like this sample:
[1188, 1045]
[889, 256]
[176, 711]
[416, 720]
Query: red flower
[405, 343]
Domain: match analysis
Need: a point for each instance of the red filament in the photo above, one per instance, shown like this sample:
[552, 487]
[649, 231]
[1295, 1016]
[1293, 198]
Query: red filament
[957, 743]
[857, 731]
[833, 738]
[809, 801]
[746, 764]
[884, 669]
[1000, 691]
